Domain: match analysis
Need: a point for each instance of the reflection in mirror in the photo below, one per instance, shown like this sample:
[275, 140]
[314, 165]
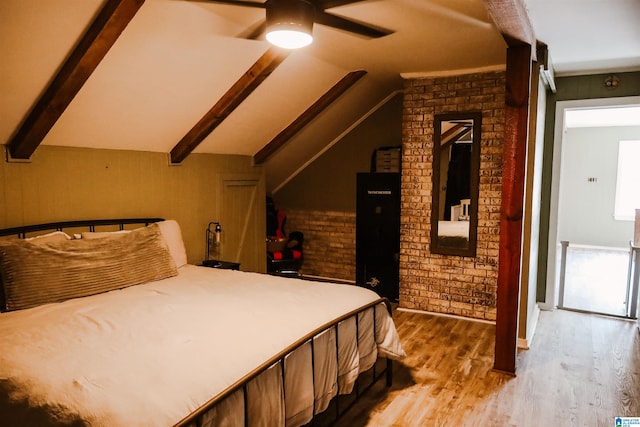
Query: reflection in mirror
[456, 163]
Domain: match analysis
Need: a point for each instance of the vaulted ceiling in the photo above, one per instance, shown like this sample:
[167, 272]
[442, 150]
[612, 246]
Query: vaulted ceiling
[180, 79]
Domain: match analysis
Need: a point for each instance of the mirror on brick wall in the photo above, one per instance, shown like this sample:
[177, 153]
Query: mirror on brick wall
[456, 163]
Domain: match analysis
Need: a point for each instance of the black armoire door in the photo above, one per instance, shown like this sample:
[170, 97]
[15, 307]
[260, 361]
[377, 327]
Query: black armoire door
[378, 233]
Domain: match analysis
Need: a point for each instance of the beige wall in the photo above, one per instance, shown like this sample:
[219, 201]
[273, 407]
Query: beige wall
[63, 183]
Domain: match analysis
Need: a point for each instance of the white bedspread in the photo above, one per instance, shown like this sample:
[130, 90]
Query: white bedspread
[453, 229]
[151, 354]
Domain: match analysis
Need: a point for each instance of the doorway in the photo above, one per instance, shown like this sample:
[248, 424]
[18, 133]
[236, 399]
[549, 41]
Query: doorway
[241, 215]
[588, 230]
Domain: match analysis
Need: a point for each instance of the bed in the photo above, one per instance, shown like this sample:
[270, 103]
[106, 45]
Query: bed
[453, 233]
[114, 328]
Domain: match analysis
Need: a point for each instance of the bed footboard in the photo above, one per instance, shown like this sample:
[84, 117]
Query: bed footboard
[200, 416]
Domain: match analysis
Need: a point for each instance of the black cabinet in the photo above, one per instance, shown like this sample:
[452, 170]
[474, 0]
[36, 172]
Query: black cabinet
[378, 233]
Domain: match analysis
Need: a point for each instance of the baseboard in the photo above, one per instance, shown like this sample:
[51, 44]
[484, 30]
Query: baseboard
[453, 316]
[327, 279]
[525, 343]
[546, 306]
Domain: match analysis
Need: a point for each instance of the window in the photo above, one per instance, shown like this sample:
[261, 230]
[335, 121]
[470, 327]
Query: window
[628, 184]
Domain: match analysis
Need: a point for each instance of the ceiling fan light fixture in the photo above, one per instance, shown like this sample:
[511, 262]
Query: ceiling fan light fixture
[289, 39]
[290, 23]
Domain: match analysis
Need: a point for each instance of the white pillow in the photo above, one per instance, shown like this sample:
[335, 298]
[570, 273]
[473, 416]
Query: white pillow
[88, 235]
[82, 267]
[54, 236]
[170, 230]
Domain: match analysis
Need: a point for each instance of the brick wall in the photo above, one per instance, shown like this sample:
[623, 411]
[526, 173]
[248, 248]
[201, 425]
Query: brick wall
[463, 286]
[329, 242]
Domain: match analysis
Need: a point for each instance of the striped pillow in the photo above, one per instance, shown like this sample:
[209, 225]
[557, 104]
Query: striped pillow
[34, 274]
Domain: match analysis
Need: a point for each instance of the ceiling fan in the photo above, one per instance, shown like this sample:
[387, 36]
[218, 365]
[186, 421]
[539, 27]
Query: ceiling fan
[289, 23]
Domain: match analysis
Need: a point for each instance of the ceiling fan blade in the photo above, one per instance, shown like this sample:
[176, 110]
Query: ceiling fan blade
[254, 32]
[328, 4]
[246, 3]
[433, 8]
[341, 23]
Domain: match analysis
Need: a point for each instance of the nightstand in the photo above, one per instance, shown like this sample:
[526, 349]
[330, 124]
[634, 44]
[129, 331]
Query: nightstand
[225, 265]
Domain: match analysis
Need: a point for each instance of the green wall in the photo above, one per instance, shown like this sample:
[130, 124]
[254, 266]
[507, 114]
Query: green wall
[329, 182]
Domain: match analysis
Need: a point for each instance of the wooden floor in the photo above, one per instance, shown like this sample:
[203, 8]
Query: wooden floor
[581, 370]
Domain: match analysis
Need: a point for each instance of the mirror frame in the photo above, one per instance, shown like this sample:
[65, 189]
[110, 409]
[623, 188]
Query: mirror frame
[436, 246]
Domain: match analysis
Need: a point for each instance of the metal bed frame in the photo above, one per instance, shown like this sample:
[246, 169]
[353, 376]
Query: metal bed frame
[196, 417]
[22, 231]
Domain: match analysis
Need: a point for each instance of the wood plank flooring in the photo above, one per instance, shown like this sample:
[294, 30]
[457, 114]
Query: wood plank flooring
[581, 370]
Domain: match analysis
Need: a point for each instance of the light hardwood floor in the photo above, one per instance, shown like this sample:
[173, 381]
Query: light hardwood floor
[581, 370]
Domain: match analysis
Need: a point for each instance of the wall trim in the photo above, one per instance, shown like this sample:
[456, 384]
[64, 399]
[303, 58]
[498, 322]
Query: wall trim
[328, 279]
[453, 316]
[525, 343]
[11, 159]
[337, 139]
[170, 162]
[448, 73]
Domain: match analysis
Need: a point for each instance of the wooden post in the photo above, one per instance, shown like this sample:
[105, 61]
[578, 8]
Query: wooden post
[518, 77]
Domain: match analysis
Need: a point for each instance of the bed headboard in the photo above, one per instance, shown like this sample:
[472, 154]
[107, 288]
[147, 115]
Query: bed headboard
[90, 224]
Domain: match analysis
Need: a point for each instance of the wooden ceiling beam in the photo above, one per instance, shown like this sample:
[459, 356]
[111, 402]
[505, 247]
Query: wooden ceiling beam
[323, 102]
[512, 19]
[455, 133]
[76, 70]
[241, 89]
